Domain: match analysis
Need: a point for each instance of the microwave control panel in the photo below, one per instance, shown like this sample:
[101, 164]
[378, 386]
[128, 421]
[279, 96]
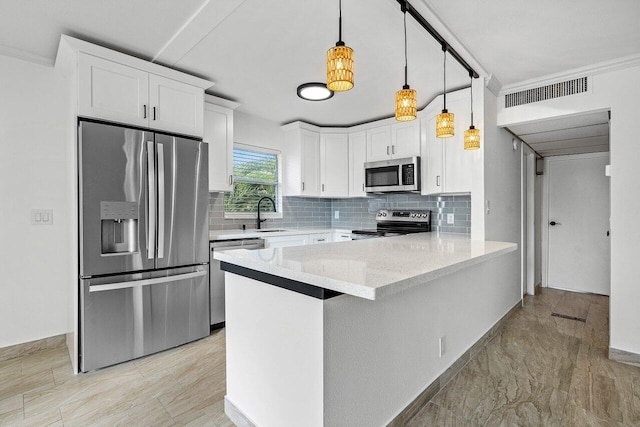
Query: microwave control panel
[408, 174]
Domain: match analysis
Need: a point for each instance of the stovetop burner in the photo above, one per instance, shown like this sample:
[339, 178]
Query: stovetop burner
[395, 222]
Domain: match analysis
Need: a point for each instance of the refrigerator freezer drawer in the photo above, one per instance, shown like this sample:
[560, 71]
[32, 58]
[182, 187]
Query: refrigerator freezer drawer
[128, 316]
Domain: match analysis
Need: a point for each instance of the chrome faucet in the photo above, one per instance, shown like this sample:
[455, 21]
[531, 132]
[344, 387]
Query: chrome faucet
[258, 220]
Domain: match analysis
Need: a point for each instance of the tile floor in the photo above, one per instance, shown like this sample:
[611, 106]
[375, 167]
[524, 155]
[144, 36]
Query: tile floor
[538, 371]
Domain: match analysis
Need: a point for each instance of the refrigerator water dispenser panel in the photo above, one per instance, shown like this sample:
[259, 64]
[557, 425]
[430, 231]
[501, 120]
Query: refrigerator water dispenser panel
[119, 227]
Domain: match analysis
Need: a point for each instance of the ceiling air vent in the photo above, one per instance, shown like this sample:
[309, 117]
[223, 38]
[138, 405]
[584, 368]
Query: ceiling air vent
[556, 90]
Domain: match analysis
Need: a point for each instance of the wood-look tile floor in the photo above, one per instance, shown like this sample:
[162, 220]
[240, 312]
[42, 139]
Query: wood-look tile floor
[184, 386]
[542, 370]
[538, 371]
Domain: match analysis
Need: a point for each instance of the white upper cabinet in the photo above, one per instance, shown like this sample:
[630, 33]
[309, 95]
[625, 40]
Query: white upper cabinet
[218, 133]
[379, 143]
[175, 106]
[393, 141]
[111, 91]
[357, 158]
[447, 166]
[334, 165]
[301, 162]
[116, 87]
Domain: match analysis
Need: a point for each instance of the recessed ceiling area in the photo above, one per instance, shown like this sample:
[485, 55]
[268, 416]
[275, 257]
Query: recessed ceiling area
[258, 52]
[579, 134]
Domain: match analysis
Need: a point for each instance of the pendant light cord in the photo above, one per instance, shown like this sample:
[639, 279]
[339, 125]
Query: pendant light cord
[444, 75]
[405, 45]
[340, 22]
[471, 99]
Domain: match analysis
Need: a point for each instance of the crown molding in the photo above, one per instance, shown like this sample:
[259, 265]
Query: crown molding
[26, 56]
[589, 70]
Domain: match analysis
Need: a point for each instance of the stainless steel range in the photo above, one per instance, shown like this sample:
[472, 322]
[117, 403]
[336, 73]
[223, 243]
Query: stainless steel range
[396, 222]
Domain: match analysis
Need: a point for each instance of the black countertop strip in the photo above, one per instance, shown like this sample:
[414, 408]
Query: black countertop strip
[281, 282]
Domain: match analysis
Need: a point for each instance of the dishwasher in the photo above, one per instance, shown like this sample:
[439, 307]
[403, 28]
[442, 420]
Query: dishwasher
[216, 276]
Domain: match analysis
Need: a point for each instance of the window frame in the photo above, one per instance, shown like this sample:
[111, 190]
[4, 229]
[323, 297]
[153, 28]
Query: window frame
[263, 214]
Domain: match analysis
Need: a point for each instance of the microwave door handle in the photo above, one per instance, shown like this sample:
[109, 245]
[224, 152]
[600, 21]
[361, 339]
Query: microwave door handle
[151, 204]
[161, 199]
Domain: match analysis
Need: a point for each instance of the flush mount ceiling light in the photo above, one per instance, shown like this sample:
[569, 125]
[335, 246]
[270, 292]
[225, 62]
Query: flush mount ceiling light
[444, 120]
[314, 91]
[406, 98]
[471, 135]
[340, 63]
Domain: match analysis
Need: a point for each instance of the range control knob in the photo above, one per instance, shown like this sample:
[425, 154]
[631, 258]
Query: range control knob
[384, 214]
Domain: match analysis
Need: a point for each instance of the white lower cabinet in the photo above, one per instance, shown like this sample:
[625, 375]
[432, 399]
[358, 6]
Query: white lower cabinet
[285, 241]
[341, 236]
[319, 238]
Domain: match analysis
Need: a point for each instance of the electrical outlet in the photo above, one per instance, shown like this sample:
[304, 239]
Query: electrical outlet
[450, 219]
[42, 216]
[443, 347]
[336, 214]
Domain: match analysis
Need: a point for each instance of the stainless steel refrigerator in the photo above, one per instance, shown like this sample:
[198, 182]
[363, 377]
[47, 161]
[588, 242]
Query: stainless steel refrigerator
[143, 233]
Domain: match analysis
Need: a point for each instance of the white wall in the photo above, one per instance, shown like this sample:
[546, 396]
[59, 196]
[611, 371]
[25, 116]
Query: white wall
[619, 91]
[35, 268]
[257, 131]
[502, 189]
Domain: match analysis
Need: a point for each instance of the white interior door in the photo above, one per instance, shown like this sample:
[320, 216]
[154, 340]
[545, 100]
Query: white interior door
[578, 223]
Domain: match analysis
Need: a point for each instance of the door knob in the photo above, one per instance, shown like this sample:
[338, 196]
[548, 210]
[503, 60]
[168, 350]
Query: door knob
[554, 223]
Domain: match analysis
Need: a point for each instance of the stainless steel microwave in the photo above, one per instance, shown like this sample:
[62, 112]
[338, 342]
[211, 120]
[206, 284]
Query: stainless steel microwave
[395, 175]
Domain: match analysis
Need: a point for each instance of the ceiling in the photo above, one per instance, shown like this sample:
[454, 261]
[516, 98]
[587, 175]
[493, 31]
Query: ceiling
[578, 134]
[257, 52]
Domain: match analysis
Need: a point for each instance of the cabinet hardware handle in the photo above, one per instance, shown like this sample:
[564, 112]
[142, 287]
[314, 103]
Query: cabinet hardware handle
[230, 179]
[387, 150]
[320, 240]
[144, 107]
[323, 187]
[302, 185]
[438, 181]
[393, 149]
[362, 187]
[154, 113]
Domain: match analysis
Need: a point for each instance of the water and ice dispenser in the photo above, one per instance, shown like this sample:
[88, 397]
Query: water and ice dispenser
[119, 227]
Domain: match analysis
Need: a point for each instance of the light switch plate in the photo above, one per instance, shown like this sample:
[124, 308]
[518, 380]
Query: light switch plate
[450, 218]
[336, 214]
[42, 216]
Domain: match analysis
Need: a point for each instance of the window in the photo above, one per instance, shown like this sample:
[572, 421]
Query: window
[256, 173]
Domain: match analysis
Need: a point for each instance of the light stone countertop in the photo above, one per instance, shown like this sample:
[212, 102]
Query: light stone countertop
[265, 233]
[371, 268]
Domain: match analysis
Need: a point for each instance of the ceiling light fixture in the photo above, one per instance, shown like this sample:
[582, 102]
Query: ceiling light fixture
[314, 91]
[471, 135]
[340, 63]
[445, 120]
[406, 98]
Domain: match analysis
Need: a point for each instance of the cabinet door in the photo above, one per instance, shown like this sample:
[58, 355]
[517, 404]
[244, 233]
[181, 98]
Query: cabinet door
[357, 158]
[458, 162]
[310, 163]
[379, 144]
[405, 139]
[175, 106]
[286, 241]
[341, 237]
[111, 91]
[432, 170]
[319, 238]
[218, 133]
[334, 163]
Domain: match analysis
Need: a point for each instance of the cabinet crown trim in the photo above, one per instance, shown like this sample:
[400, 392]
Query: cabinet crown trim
[82, 46]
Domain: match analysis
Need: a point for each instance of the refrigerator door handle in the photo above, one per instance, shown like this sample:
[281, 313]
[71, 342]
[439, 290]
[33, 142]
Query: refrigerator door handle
[161, 194]
[145, 282]
[151, 206]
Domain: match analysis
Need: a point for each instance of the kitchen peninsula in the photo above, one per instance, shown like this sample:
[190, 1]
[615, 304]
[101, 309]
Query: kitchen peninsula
[350, 333]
